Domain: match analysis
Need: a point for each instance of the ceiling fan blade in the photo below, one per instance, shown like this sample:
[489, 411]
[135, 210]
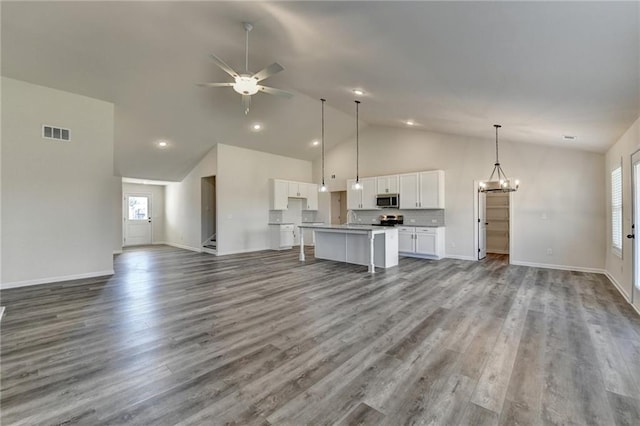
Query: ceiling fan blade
[222, 64]
[273, 91]
[215, 84]
[268, 71]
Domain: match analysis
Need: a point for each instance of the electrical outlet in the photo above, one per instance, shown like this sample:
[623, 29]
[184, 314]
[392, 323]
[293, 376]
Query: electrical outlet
[543, 216]
[412, 220]
[549, 251]
[453, 245]
[359, 219]
[434, 221]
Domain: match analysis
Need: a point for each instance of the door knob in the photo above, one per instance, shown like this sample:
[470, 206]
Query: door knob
[631, 236]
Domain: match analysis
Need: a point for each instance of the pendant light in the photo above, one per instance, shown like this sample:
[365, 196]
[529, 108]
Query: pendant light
[357, 185]
[502, 183]
[323, 187]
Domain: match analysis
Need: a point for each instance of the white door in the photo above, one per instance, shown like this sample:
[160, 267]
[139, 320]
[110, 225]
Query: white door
[137, 219]
[635, 288]
[482, 225]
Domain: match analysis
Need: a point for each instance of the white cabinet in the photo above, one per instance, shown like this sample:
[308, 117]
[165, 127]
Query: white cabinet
[387, 184]
[279, 194]
[297, 190]
[312, 196]
[422, 190]
[281, 236]
[281, 190]
[362, 199]
[420, 241]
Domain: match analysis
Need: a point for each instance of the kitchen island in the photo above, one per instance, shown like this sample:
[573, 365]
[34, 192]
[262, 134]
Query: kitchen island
[359, 244]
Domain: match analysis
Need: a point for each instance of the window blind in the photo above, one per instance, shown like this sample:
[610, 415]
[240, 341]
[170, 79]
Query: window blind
[616, 210]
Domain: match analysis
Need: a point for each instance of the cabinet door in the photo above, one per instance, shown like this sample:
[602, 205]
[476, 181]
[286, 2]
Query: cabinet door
[312, 196]
[354, 196]
[279, 194]
[409, 191]
[431, 190]
[293, 190]
[405, 242]
[368, 193]
[426, 243]
[303, 190]
[387, 184]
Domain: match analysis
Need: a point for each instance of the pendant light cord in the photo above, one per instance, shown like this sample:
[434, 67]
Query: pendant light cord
[497, 126]
[357, 142]
[323, 101]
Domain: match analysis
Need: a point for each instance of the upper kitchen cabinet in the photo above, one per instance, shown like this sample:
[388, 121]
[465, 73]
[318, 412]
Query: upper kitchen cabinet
[422, 190]
[279, 194]
[298, 190]
[362, 199]
[388, 184]
[312, 196]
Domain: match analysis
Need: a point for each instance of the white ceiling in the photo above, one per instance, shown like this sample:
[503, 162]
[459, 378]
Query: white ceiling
[541, 69]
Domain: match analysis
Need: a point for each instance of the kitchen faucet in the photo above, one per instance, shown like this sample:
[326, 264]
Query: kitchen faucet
[351, 217]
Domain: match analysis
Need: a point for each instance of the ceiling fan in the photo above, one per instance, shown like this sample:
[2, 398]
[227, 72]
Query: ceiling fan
[247, 83]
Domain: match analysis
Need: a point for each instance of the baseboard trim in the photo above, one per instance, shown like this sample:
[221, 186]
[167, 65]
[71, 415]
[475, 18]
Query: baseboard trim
[618, 286]
[459, 257]
[251, 250]
[49, 280]
[560, 267]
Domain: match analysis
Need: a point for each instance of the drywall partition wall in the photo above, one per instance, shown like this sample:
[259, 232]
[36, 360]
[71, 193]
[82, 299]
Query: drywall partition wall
[57, 196]
[157, 207]
[620, 269]
[568, 219]
[242, 194]
[183, 204]
[242, 187]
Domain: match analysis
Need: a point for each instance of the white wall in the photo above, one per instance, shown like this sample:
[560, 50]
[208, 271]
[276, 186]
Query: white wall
[574, 228]
[156, 192]
[183, 204]
[242, 193]
[57, 197]
[621, 269]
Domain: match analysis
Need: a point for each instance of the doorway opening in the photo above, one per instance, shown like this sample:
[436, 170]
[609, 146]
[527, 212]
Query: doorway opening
[208, 234]
[493, 225]
[339, 207]
[635, 191]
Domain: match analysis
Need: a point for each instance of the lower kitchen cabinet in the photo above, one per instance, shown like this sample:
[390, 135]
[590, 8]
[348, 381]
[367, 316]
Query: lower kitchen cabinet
[421, 241]
[281, 236]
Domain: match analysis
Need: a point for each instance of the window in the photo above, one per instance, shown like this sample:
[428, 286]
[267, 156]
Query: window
[138, 208]
[616, 211]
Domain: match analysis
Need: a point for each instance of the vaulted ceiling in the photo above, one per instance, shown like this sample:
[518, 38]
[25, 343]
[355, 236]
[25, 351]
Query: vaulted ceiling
[541, 69]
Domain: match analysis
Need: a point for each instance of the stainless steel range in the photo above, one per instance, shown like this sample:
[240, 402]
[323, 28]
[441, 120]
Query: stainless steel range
[391, 219]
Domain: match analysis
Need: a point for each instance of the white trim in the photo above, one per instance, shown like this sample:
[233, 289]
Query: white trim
[209, 251]
[617, 285]
[560, 267]
[49, 280]
[459, 257]
[182, 246]
[117, 251]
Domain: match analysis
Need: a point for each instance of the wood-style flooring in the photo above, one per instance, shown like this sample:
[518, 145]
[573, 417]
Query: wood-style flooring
[177, 337]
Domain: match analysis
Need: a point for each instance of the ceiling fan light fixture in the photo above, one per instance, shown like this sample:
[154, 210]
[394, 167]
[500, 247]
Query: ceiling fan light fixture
[245, 85]
[501, 183]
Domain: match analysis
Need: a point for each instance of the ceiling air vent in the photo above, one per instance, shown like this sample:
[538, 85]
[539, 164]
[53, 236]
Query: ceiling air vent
[58, 133]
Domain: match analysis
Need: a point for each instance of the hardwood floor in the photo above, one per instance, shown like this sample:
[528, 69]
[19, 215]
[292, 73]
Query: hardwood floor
[176, 337]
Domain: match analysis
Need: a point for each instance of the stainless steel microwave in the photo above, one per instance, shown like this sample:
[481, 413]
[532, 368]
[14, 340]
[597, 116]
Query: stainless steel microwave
[388, 200]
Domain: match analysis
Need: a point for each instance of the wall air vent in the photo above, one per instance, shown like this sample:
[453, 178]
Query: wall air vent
[57, 133]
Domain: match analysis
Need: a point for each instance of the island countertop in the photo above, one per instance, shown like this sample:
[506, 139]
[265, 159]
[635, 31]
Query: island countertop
[368, 245]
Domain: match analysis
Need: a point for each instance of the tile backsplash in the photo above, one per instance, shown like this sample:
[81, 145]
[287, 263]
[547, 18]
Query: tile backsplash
[282, 216]
[434, 217]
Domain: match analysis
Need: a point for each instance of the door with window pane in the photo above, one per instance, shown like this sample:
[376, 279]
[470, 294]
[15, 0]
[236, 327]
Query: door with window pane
[635, 184]
[137, 219]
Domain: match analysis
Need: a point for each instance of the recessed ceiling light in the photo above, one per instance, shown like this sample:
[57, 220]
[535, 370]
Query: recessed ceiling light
[358, 92]
[569, 138]
[410, 123]
[315, 142]
[163, 144]
[256, 127]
